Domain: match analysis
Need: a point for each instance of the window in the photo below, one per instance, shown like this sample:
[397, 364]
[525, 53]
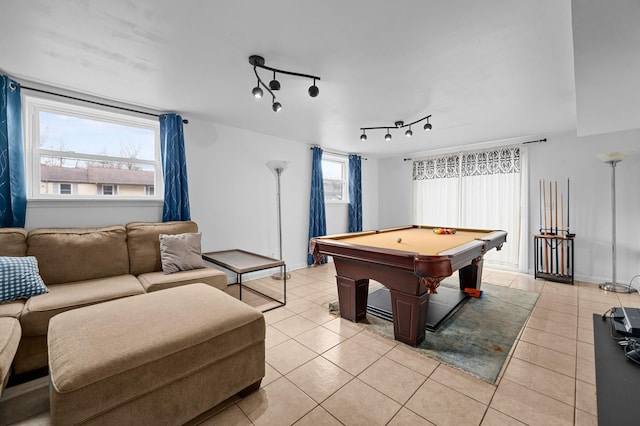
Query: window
[107, 190]
[65, 189]
[475, 189]
[79, 152]
[334, 178]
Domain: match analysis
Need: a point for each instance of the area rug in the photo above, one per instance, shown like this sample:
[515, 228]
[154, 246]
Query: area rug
[476, 339]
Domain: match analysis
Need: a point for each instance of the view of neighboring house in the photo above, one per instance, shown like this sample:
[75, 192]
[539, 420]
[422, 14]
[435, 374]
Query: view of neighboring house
[96, 181]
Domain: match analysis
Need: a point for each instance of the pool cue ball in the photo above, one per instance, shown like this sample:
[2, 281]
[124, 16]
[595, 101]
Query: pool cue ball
[399, 240]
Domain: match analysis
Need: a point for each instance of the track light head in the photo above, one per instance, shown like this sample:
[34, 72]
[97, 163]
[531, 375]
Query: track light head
[387, 137]
[409, 132]
[276, 106]
[274, 84]
[313, 90]
[428, 126]
[363, 136]
[257, 92]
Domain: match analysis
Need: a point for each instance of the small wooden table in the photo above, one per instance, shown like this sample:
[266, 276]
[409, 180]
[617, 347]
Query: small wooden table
[242, 262]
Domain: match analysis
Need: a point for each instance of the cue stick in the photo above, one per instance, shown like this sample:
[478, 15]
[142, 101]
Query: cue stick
[539, 248]
[556, 207]
[561, 226]
[540, 202]
[550, 208]
[550, 226]
[556, 245]
[568, 205]
[546, 247]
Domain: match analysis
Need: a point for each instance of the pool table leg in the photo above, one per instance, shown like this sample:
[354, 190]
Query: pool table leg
[471, 275]
[352, 296]
[409, 316]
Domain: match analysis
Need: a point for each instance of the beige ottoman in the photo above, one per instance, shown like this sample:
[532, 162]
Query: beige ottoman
[10, 333]
[160, 358]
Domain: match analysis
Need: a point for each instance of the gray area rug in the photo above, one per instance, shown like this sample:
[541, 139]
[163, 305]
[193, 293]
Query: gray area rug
[477, 338]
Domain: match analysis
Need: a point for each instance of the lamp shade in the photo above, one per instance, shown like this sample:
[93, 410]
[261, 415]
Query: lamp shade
[611, 156]
[277, 165]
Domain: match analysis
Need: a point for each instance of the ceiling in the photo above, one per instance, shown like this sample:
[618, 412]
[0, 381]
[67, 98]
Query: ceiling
[485, 70]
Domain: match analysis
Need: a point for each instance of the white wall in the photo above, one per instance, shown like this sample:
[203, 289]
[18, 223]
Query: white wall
[395, 192]
[233, 193]
[562, 157]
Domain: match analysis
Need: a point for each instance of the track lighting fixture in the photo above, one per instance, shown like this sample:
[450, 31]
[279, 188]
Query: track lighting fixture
[274, 85]
[398, 125]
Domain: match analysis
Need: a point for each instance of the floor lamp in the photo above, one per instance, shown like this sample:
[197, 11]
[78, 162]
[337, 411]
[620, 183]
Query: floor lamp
[277, 167]
[613, 159]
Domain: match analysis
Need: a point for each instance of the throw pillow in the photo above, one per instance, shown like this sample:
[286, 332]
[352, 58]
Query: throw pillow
[19, 278]
[180, 252]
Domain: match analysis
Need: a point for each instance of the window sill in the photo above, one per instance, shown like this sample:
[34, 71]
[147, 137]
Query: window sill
[94, 202]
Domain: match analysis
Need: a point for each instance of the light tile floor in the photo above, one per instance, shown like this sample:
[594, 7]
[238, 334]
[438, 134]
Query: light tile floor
[323, 370]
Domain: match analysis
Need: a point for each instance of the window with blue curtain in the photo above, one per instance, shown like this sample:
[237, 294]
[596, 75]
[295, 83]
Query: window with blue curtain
[13, 192]
[317, 216]
[355, 193]
[174, 169]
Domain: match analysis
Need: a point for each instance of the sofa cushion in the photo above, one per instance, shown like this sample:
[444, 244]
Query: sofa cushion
[19, 278]
[63, 297]
[68, 255]
[9, 338]
[143, 239]
[181, 252]
[13, 242]
[12, 309]
[152, 281]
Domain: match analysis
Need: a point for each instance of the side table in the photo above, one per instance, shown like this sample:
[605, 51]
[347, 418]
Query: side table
[242, 262]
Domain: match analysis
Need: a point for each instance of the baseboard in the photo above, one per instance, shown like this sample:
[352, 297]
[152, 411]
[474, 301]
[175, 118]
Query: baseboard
[25, 400]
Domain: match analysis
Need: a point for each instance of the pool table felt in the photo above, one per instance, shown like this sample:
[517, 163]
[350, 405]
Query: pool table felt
[414, 240]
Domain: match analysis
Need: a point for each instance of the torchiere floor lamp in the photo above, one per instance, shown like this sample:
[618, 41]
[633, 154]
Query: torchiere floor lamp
[613, 158]
[277, 167]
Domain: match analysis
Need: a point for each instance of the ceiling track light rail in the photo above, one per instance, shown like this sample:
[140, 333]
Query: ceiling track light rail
[397, 125]
[274, 85]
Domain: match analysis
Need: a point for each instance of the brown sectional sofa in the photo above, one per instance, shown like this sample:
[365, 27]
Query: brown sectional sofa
[85, 266]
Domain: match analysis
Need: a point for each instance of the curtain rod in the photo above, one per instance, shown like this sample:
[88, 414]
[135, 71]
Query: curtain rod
[185, 121]
[538, 141]
[523, 143]
[337, 153]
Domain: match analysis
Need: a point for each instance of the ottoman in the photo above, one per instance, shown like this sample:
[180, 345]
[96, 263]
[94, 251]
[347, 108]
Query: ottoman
[160, 358]
[10, 333]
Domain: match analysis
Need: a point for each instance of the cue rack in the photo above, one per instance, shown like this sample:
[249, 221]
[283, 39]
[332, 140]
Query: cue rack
[554, 244]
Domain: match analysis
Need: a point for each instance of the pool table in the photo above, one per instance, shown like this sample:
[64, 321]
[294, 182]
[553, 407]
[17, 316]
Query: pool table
[410, 262]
